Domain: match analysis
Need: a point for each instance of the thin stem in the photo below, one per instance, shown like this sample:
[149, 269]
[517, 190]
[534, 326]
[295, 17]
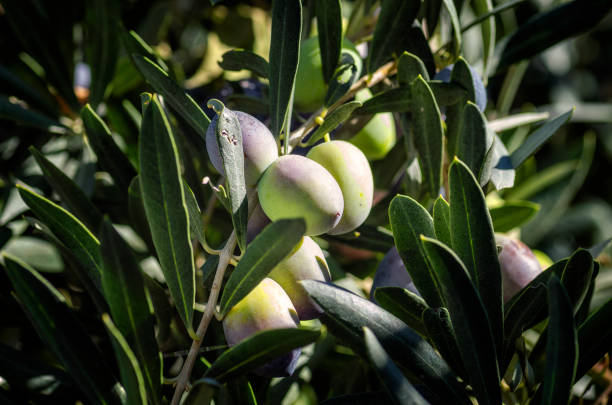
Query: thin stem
[183, 378]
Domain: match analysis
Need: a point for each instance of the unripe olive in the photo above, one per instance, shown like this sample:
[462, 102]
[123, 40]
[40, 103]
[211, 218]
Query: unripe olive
[518, 265]
[266, 307]
[378, 136]
[352, 172]
[297, 187]
[310, 87]
[391, 272]
[306, 263]
[258, 144]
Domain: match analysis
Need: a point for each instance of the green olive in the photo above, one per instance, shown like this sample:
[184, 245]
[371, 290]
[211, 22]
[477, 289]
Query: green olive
[378, 136]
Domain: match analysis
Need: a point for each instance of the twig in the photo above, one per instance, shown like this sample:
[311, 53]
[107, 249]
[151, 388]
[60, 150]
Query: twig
[183, 377]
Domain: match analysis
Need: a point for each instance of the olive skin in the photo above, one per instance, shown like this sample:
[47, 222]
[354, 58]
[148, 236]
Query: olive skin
[257, 222]
[310, 87]
[352, 172]
[391, 272]
[258, 144]
[266, 307]
[306, 263]
[518, 265]
[378, 136]
[297, 187]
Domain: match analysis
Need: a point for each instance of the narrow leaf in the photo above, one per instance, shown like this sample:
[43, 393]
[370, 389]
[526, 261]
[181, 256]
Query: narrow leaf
[337, 117]
[135, 45]
[70, 194]
[164, 202]
[69, 230]
[61, 332]
[409, 67]
[259, 349]
[440, 331]
[537, 139]
[474, 243]
[329, 27]
[426, 128]
[173, 94]
[441, 218]
[460, 76]
[561, 346]
[131, 375]
[456, 28]
[346, 314]
[469, 319]
[284, 55]
[271, 246]
[110, 157]
[390, 376]
[392, 30]
[408, 221]
[404, 304]
[516, 120]
[345, 75]
[241, 59]
[124, 290]
[487, 28]
[24, 116]
[594, 338]
[474, 140]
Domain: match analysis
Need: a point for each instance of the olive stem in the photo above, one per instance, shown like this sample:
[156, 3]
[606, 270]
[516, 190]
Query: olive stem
[370, 80]
[183, 378]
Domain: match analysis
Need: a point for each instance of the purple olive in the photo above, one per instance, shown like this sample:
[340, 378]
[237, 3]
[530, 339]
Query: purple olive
[258, 144]
[518, 265]
[297, 187]
[306, 263]
[266, 307]
[391, 272]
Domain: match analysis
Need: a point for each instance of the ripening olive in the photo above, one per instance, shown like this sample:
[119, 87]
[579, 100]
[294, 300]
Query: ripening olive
[297, 187]
[518, 265]
[351, 169]
[391, 272]
[258, 144]
[266, 307]
[310, 88]
[378, 136]
[306, 263]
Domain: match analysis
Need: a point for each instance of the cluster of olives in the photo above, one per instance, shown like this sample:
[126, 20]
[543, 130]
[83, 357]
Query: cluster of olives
[331, 189]
[519, 266]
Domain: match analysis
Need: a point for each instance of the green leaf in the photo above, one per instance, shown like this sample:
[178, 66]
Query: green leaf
[488, 32]
[408, 221]
[131, 375]
[241, 391]
[258, 350]
[69, 193]
[59, 329]
[456, 28]
[594, 338]
[13, 84]
[390, 376]
[329, 27]
[345, 75]
[497, 166]
[229, 141]
[268, 249]
[552, 27]
[469, 319]
[284, 55]
[392, 30]
[195, 216]
[440, 331]
[138, 217]
[441, 218]
[378, 239]
[173, 94]
[346, 314]
[123, 287]
[577, 276]
[404, 304]
[110, 157]
[38, 253]
[135, 45]
[474, 243]
[426, 128]
[409, 67]
[164, 203]
[516, 120]
[23, 116]
[461, 76]
[241, 59]
[337, 117]
[102, 48]
[474, 140]
[561, 346]
[513, 214]
[69, 230]
[537, 139]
